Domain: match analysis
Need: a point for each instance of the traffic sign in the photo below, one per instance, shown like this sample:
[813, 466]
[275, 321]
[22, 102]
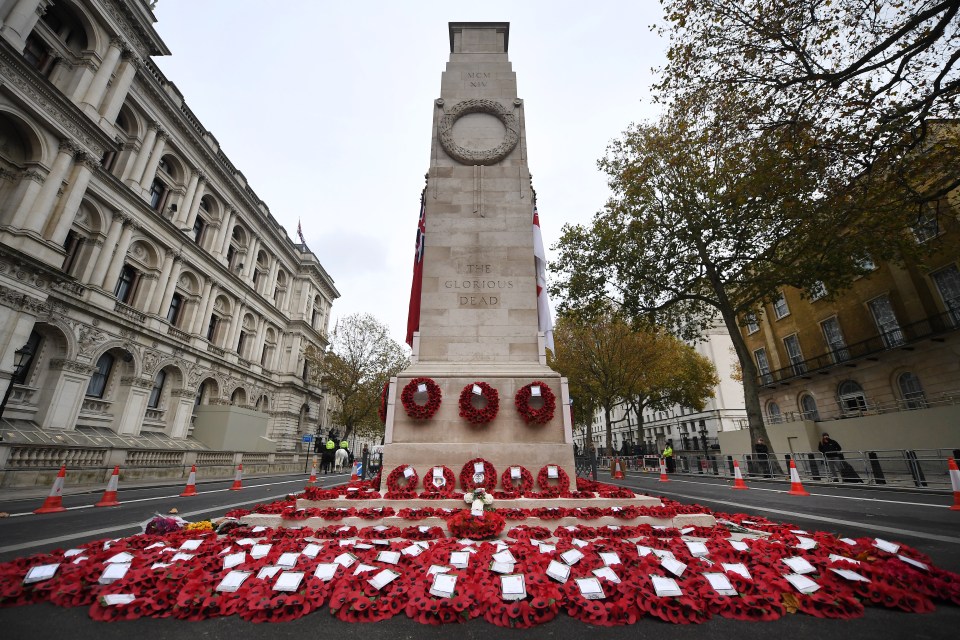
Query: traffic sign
[307, 438]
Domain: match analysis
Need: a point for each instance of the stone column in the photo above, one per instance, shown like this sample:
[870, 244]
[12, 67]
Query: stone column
[113, 271]
[130, 417]
[231, 342]
[184, 210]
[92, 260]
[195, 203]
[74, 196]
[250, 262]
[106, 252]
[21, 20]
[138, 167]
[118, 93]
[97, 89]
[199, 316]
[154, 162]
[258, 345]
[87, 69]
[61, 397]
[31, 181]
[227, 232]
[211, 304]
[271, 283]
[35, 216]
[171, 286]
[181, 410]
[147, 296]
[156, 306]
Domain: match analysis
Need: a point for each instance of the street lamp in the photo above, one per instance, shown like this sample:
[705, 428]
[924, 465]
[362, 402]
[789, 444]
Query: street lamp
[21, 358]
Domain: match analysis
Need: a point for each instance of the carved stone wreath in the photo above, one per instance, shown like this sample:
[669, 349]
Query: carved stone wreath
[484, 156]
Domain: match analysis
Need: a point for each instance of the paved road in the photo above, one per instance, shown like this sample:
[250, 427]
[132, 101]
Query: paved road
[920, 520]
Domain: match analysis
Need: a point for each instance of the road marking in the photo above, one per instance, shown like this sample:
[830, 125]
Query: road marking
[136, 525]
[808, 516]
[822, 495]
[201, 493]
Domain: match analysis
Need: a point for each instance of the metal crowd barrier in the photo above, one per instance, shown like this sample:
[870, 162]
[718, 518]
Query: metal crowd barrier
[921, 468]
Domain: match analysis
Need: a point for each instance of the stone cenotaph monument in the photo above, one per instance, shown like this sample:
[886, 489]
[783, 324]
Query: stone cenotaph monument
[478, 320]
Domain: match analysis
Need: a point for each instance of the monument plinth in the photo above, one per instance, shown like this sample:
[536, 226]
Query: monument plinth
[478, 317]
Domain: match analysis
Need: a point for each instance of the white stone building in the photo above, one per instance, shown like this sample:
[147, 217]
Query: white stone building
[145, 289]
[683, 426]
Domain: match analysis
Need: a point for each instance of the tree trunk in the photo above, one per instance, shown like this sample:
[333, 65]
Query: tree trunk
[751, 389]
[609, 427]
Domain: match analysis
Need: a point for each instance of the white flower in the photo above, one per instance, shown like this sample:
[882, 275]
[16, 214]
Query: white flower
[487, 498]
[468, 497]
[478, 504]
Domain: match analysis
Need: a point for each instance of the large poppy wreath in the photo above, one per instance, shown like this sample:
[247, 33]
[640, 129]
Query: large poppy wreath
[418, 411]
[446, 488]
[399, 475]
[544, 479]
[491, 403]
[489, 481]
[523, 485]
[530, 414]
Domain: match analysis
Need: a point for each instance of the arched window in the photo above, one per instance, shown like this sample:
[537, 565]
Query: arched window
[851, 398]
[911, 391]
[808, 407]
[176, 305]
[157, 391]
[773, 413]
[126, 284]
[98, 381]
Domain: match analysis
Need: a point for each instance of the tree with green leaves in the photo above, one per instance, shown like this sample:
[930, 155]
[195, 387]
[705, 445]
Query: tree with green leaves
[361, 358]
[607, 361]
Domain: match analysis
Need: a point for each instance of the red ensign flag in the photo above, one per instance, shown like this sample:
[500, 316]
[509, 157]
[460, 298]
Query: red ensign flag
[413, 315]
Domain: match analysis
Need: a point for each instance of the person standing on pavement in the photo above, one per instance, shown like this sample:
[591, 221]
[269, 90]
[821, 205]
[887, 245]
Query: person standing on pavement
[831, 451]
[763, 451]
[668, 457]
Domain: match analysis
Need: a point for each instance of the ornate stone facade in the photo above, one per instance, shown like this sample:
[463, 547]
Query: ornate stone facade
[143, 274]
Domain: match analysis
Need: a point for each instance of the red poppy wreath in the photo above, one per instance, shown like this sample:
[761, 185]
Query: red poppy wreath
[421, 411]
[523, 484]
[490, 401]
[447, 485]
[398, 476]
[467, 473]
[544, 479]
[533, 415]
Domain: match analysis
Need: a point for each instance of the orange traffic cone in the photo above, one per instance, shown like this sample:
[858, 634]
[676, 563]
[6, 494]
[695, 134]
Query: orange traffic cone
[109, 498]
[617, 474]
[663, 471]
[313, 472]
[54, 501]
[191, 489]
[955, 483]
[796, 489]
[236, 479]
[738, 482]
[354, 476]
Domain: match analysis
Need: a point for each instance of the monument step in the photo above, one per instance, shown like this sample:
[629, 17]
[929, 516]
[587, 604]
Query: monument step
[457, 503]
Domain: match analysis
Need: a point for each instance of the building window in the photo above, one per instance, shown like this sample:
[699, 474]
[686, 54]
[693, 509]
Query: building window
[126, 284]
[911, 391]
[157, 192]
[866, 263]
[817, 290]
[763, 366]
[927, 226]
[752, 325]
[792, 345]
[157, 391]
[834, 337]
[212, 327]
[808, 408]
[36, 53]
[851, 398]
[256, 277]
[176, 305]
[231, 255]
[199, 225]
[98, 381]
[780, 308]
[886, 321]
[948, 284]
[773, 413]
[240, 343]
[71, 245]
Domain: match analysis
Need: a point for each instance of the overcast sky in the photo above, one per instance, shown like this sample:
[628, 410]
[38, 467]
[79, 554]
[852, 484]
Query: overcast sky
[327, 109]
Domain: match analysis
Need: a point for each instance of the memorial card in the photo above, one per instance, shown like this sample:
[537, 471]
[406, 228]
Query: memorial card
[438, 568]
[799, 565]
[502, 567]
[258, 551]
[258, 529]
[664, 586]
[190, 545]
[234, 559]
[345, 559]
[739, 545]
[460, 559]
[801, 583]
[478, 467]
[114, 572]
[673, 565]
[915, 563]
[558, 571]
[806, 543]
[362, 568]
[590, 588]
[288, 560]
[408, 472]
[268, 572]
[232, 581]
[41, 572]
[579, 543]
[849, 542]
[552, 472]
[720, 583]
[571, 556]
[504, 556]
[120, 558]
[382, 579]
[69, 553]
[835, 558]
[326, 571]
[884, 545]
[610, 558]
[413, 550]
[643, 551]
[311, 550]
[853, 576]
[443, 585]
[513, 587]
[737, 567]
[79, 559]
[697, 549]
[114, 599]
[390, 557]
[607, 573]
[515, 473]
[288, 581]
